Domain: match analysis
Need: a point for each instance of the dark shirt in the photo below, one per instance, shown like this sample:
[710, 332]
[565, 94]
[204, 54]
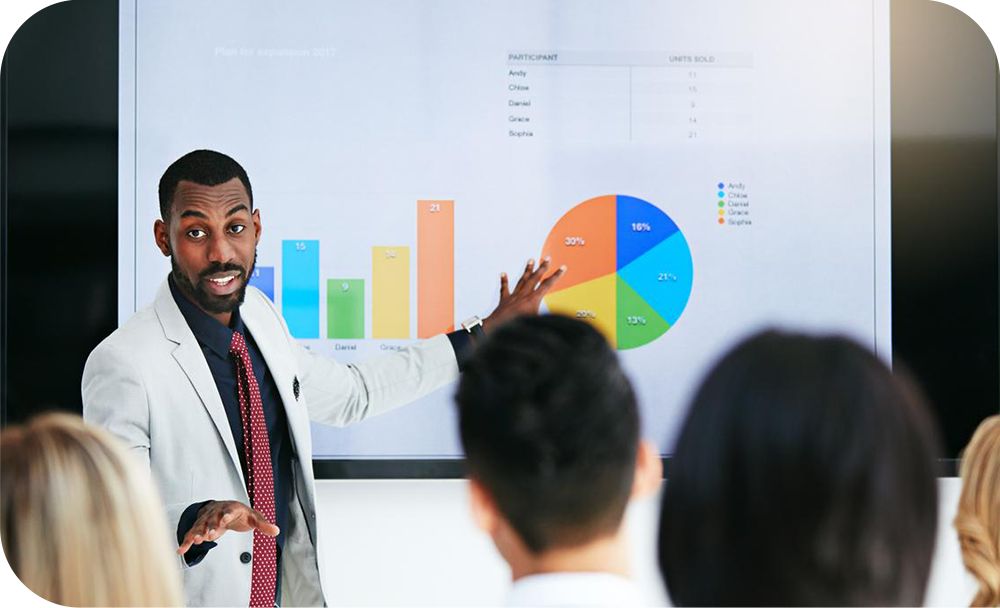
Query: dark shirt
[214, 339]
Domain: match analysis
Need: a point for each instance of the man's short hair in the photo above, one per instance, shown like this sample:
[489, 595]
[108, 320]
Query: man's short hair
[202, 167]
[804, 475]
[550, 427]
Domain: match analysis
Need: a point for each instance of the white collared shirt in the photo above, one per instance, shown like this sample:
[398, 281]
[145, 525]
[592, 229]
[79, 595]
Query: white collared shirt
[574, 589]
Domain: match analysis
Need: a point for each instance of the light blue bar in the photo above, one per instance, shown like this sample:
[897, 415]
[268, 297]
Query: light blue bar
[263, 279]
[300, 287]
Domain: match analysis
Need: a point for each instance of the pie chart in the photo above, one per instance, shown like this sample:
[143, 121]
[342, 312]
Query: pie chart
[629, 269]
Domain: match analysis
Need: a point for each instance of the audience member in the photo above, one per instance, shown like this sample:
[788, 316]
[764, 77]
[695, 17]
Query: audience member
[804, 474]
[978, 519]
[82, 524]
[550, 428]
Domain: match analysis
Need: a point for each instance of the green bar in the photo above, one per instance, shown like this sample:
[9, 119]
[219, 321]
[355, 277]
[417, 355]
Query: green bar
[345, 309]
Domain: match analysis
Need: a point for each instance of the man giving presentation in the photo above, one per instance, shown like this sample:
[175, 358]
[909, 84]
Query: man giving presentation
[209, 388]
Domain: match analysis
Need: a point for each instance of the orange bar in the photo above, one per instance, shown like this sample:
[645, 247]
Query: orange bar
[435, 267]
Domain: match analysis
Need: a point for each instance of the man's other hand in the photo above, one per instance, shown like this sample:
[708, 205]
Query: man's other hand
[218, 516]
[527, 294]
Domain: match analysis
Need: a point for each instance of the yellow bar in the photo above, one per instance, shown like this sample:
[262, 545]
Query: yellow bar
[391, 292]
[435, 268]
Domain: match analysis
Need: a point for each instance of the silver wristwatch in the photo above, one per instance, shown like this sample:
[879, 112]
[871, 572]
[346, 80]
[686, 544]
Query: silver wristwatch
[474, 325]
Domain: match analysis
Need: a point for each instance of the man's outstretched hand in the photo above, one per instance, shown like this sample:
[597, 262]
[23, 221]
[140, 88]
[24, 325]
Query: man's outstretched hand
[218, 516]
[527, 294]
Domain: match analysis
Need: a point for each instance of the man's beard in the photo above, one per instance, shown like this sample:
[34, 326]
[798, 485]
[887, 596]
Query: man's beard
[210, 303]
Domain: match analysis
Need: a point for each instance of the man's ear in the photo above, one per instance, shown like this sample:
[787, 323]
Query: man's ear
[161, 234]
[484, 510]
[648, 470]
[256, 225]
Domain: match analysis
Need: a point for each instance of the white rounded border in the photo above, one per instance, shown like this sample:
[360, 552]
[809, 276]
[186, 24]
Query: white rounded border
[13, 13]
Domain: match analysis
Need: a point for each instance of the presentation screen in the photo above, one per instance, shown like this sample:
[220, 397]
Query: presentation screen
[704, 170]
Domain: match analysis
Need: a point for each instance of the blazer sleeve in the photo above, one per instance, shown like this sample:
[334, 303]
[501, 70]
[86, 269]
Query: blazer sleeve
[115, 398]
[339, 394]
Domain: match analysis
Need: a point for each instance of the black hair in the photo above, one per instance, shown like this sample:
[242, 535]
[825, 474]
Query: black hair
[805, 474]
[203, 167]
[550, 427]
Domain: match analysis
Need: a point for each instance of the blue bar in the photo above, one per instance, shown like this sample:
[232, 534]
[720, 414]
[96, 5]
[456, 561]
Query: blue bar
[263, 279]
[300, 287]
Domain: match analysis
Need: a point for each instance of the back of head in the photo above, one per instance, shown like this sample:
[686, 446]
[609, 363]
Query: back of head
[81, 523]
[550, 428]
[202, 167]
[805, 474]
[978, 519]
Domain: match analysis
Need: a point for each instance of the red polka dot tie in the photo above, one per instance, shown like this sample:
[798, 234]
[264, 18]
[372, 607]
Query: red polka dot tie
[260, 477]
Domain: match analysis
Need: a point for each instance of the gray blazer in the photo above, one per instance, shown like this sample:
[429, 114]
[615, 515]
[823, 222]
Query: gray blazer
[149, 384]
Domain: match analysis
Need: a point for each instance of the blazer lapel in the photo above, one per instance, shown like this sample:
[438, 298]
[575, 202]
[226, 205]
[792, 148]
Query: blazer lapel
[277, 354]
[190, 358]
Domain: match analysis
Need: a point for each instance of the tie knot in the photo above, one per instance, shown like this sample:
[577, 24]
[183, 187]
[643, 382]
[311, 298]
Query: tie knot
[237, 345]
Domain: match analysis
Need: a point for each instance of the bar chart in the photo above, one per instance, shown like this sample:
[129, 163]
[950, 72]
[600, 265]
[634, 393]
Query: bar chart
[300, 287]
[390, 292]
[263, 279]
[345, 309]
[435, 267]
[381, 295]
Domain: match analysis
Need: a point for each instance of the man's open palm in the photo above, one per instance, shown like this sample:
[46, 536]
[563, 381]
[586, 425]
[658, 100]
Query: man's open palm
[219, 516]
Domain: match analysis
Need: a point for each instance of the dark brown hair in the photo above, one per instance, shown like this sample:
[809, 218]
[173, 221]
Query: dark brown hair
[805, 474]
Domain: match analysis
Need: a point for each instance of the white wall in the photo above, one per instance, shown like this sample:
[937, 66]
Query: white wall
[950, 585]
[413, 543]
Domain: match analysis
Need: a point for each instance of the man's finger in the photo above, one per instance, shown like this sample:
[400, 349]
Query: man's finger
[188, 541]
[550, 281]
[221, 519]
[522, 281]
[528, 269]
[504, 291]
[214, 526]
[258, 521]
[539, 272]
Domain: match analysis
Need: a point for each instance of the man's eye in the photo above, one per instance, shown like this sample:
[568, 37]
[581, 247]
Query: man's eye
[236, 228]
[196, 233]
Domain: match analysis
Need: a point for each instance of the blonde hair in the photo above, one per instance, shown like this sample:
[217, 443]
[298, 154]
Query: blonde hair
[978, 518]
[82, 523]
